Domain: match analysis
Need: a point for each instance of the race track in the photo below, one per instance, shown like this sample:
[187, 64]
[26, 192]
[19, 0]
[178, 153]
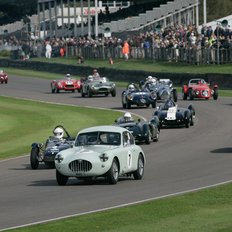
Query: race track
[182, 160]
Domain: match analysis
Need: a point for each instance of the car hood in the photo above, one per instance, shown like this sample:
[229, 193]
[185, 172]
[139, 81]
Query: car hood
[84, 152]
[199, 87]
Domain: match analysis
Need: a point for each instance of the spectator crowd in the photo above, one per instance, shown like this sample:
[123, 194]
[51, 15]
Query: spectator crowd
[173, 43]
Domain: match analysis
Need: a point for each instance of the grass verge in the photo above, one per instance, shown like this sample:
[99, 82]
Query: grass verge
[207, 210]
[23, 122]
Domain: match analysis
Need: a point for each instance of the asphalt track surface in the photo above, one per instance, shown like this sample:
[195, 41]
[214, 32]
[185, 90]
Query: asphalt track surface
[182, 160]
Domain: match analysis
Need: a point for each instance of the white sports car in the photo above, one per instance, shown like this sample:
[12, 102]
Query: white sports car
[101, 151]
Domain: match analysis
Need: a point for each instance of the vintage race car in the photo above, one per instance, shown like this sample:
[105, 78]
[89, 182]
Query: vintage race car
[66, 84]
[101, 151]
[45, 152]
[135, 96]
[163, 89]
[3, 77]
[199, 88]
[170, 114]
[143, 131]
[99, 86]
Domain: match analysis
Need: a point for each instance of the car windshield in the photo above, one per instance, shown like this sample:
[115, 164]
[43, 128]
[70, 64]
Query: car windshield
[196, 81]
[98, 138]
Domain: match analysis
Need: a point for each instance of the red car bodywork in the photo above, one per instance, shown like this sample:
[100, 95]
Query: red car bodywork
[199, 88]
[3, 77]
[68, 84]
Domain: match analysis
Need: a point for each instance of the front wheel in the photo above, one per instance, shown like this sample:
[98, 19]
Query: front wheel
[113, 173]
[113, 93]
[138, 174]
[174, 94]
[34, 157]
[61, 179]
[148, 137]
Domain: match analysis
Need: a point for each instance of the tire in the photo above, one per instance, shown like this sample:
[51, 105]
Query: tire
[89, 93]
[215, 94]
[174, 95]
[113, 93]
[191, 95]
[184, 95]
[113, 173]
[61, 179]
[191, 121]
[82, 93]
[148, 139]
[156, 139]
[57, 90]
[187, 123]
[138, 174]
[153, 104]
[128, 105]
[34, 158]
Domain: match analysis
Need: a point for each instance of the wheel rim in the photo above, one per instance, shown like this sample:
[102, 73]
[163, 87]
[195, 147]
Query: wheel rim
[141, 167]
[115, 171]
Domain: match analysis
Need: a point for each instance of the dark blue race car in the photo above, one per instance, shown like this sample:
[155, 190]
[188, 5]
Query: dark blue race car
[46, 152]
[135, 96]
[170, 114]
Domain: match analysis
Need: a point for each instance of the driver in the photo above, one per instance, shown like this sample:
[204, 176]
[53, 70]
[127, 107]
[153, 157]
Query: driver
[131, 87]
[168, 104]
[127, 117]
[58, 133]
[96, 75]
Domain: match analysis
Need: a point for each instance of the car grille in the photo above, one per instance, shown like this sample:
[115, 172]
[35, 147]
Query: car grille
[80, 166]
[69, 86]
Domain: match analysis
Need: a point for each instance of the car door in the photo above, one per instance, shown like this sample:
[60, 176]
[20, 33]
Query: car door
[129, 157]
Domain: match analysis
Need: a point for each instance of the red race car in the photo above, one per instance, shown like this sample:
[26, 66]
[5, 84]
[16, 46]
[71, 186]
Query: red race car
[3, 77]
[66, 84]
[200, 89]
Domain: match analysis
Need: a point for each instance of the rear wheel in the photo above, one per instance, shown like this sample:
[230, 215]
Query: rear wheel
[215, 94]
[187, 123]
[153, 104]
[61, 179]
[89, 93]
[156, 138]
[82, 93]
[138, 174]
[148, 137]
[113, 173]
[113, 93]
[34, 157]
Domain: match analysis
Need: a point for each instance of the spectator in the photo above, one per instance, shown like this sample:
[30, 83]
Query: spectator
[126, 50]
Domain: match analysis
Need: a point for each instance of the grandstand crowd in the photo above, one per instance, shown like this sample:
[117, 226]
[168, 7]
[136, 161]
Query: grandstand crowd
[164, 44]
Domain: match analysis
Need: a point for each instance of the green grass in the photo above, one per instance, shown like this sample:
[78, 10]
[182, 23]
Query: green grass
[150, 66]
[24, 122]
[207, 210]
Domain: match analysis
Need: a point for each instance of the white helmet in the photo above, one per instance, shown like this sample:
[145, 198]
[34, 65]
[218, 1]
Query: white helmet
[131, 87]
[58, 133]
[127, 117]
[67, 75]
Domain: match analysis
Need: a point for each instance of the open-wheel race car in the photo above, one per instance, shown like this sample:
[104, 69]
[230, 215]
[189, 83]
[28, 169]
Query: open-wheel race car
[199, 89]
[45, 152]
[97, 86]
[133, 95]
[170, 114]
[143, 131]
[65, 84]
[3, 77]
[162, 87]
[101, 151]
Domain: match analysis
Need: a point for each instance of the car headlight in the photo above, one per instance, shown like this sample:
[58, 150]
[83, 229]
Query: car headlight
[59, 158]
[103, 157]
[130, 96]
[197, 92]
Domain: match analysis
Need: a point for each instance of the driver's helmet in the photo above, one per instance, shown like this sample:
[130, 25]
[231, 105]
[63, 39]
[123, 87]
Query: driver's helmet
[58, 133]
[169, 103]
[131, 87]
[127, 117]
[95, 71]
[149, 79]
[68, 75]
[154, 80]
